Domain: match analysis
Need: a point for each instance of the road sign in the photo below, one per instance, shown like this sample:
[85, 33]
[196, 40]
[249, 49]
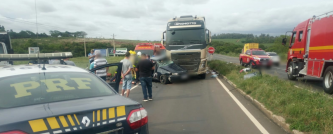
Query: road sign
[211, 50]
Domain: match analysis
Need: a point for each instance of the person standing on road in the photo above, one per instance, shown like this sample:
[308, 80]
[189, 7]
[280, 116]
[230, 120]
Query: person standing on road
[99, 61]
[126, 74]
[91, 56]
[144, 67]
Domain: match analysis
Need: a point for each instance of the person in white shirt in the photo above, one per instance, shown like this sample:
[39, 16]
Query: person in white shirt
[99, 61]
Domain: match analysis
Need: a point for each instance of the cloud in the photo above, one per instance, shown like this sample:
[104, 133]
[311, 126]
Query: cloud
[146, 19]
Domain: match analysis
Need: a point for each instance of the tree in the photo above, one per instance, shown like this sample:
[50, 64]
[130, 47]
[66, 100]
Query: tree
[2, 29]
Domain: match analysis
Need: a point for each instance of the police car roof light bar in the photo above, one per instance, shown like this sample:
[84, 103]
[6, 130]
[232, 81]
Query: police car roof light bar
[39, 56]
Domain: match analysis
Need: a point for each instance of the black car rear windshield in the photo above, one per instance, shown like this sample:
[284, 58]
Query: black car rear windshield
[32, 89]
[258, 53]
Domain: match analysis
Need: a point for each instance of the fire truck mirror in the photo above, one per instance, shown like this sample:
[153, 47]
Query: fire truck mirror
[284, 41]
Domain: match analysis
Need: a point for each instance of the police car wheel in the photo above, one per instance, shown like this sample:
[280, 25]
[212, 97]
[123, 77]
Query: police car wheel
[290, 71]
[164, 79]
[328, 80]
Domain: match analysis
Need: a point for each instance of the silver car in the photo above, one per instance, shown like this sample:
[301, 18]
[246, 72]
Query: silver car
[275, 58]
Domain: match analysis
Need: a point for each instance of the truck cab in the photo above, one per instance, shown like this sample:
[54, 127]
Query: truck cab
[310, 50]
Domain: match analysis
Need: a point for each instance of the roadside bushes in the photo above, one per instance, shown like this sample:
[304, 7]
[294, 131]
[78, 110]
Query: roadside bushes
[303, 109]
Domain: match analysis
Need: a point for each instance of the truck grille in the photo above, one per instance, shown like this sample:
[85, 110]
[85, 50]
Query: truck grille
[189, 60]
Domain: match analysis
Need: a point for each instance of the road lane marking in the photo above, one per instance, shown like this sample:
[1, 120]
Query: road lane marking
[132, 88]
[248, 114]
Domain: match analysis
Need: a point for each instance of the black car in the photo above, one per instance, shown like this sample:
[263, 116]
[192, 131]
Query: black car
[166, 71]
[51, 99]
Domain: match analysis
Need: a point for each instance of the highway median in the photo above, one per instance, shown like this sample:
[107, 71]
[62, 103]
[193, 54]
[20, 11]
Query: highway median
[303, 109]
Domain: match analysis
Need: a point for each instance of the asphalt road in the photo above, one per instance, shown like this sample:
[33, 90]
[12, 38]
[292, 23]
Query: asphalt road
[202, 107]
[279, 71]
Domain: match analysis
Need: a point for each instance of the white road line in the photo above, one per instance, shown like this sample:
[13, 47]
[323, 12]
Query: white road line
[132, 88]
[248, 114]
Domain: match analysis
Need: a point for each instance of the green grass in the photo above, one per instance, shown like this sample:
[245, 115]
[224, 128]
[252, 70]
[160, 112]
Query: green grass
[83, 62]
[303, 109]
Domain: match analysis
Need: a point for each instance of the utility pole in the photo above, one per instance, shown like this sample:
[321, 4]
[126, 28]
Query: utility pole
[85, 48]
[114, 46]
[36, 19]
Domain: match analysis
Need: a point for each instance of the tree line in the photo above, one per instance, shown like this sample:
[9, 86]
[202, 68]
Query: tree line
[248, 38]
[52, 33]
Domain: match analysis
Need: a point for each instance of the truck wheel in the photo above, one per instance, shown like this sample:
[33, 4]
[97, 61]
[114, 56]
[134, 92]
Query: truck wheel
[202, 76]
[328, 79]
[290, 71]
[164, 79]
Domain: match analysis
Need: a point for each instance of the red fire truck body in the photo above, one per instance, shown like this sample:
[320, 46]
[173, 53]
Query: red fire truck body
[148, 48]
[311, 50]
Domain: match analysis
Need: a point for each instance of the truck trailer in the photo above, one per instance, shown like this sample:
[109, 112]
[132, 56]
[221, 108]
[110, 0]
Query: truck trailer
[310, 50]
[186, 39]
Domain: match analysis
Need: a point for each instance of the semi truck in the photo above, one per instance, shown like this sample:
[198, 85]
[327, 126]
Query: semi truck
[5, 47]
[310, 50]
[186, 39]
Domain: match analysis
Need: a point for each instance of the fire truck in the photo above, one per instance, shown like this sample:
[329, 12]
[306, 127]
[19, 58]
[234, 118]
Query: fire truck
[149, 48]
[186, 39]
[310, 50]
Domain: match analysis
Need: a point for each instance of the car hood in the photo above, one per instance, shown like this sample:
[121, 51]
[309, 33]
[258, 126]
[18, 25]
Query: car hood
[13, 115]
[173, 68]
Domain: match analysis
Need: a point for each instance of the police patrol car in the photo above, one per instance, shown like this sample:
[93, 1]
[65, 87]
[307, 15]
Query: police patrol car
[52, 99]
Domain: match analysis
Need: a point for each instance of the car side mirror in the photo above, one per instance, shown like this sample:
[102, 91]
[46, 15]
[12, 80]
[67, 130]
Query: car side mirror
[284, 41]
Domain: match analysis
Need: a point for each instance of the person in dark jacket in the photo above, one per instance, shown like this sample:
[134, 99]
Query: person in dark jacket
[144, 67]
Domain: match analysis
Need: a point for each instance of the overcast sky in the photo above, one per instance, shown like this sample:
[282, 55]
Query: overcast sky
[146, 19]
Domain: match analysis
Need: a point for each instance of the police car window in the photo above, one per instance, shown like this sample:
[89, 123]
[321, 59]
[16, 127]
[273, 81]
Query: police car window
[33, 89]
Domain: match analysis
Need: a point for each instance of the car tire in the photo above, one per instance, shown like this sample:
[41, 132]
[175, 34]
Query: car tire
[164, 79]
[202, 76]
[251, 66]
[328, 80]
[290, 71]
[241, 62]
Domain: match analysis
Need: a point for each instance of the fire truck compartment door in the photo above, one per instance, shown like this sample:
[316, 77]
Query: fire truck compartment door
[316, 68]
[310, 67]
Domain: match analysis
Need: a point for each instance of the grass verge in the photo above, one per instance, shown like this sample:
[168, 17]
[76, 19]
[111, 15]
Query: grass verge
[304, 110]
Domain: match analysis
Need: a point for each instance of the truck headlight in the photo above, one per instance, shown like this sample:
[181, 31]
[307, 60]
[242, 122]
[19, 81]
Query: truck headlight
[203, 64]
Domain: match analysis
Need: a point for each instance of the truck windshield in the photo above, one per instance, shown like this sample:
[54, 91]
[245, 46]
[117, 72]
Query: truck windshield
[183, 37]
[33, 89]
[258, 53]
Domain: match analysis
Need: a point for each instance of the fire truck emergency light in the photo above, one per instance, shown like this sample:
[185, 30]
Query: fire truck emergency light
[39, 56]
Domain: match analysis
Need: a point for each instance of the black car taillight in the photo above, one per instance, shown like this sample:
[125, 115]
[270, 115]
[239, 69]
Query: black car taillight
[137, 118]
[13, 132]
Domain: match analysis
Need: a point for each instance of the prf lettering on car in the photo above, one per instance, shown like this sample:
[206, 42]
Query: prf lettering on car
[52, 85]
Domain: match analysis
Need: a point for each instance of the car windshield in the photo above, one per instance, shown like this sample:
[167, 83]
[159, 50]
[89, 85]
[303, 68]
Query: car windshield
[272, 54]
[30, 89]
[258, 53]
[164, 63]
